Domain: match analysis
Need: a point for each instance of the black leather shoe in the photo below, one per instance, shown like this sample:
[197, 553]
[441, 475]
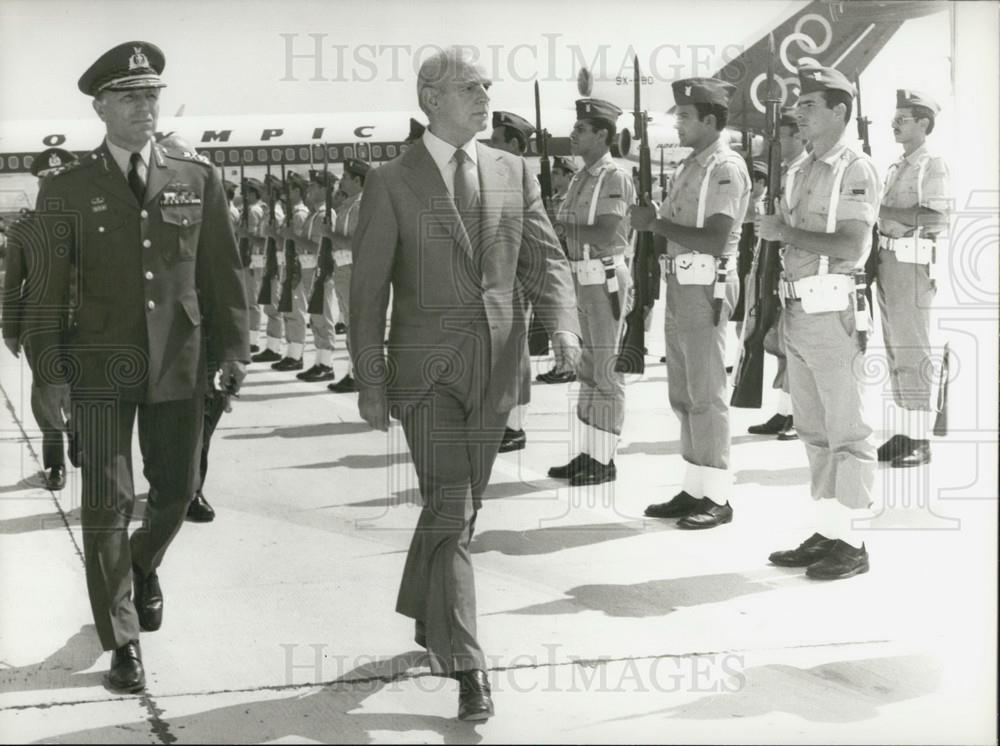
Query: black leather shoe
[788, 432]
[199, 510]
[592, 472]
[813, 549]
[679, 506]
[148, 599]
[897, 445]
[842, 561]
[287, 363]
[317, 373]
[568, 470]
[420, 633]
[553, 376]
[474, 700]
[513, 440]
[55, 478]
[345, 385]
[920, 454]
[254, 349]
[267, 355]
[127, 674]
[772, 427]
[709, 515]
[340, 328]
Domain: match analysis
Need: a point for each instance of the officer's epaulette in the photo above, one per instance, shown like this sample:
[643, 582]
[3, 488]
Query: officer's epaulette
[186, 155]
[66, 168]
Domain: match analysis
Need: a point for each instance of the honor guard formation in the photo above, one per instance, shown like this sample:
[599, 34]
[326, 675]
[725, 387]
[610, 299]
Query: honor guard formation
[442, 271]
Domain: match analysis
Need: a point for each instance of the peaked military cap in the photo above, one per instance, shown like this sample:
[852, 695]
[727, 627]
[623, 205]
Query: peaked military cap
[907, 97]
[565, 164]
[273, 182]
[323, 178]
[760, 167]
[134, 64]
[702, 91]
[356, 166]
[256, 184]
[509, 119]
[294, 180]
[594, 108]
[49, 160]
[812, 79]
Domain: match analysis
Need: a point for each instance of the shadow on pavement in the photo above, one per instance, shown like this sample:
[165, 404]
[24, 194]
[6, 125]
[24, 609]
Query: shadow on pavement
[553, 539]
[61, 670]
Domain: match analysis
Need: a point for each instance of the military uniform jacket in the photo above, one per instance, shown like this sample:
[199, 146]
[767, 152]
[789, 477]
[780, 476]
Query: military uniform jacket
[146, 286]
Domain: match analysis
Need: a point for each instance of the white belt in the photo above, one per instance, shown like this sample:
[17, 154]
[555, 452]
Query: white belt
[818, 293]
[342, 257]
[593, 271]
[581, 265]
[910, 249]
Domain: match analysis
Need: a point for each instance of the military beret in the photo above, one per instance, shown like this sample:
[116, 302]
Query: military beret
[416, 131]
[702, 91]
[564, 164]
[51, 159]
[508, 119]
[251, 183]
[812, 79]
[760, 167]
[788, 118]
[906, 97]
[356, 167]
[134, 64]
[594, 108]
[323, 178]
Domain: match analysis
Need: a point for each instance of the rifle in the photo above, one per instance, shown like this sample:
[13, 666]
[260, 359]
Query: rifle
[663, 177]
[325, 265]
[270, 249]
[538, 338]
[293, 271]
[871, 264]
[245, 246]
[645, 267]
[748, 387]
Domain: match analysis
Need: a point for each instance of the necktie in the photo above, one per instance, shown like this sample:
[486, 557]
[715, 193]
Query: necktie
[136, 176]
[466, 191]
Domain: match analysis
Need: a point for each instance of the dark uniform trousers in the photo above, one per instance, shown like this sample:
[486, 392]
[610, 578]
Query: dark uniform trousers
[104, 427]
[453, 436]
[53, 451]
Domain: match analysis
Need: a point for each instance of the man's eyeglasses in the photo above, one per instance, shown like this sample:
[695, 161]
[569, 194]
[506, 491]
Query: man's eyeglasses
[896, 121]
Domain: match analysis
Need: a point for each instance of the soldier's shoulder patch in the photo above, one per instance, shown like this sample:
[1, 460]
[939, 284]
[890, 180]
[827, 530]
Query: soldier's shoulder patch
[859, 191]
[67, 168]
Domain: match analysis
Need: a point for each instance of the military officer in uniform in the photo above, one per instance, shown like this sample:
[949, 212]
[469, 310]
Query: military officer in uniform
[352, 185]
[700, 218]
[563, 170]
[24, 263]
[512, 133]
[913, 215]
[147, 264]
[322, 324]
[827, 212]
[782, 423]
[268, 228]
[594, 221]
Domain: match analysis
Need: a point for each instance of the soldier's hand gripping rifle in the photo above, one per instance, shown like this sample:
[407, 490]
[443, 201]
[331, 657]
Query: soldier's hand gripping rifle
[325, 266]
[748, 389]
[270, 248]
[293, 270]
[246, 254]
[645, 268]
[538, 338]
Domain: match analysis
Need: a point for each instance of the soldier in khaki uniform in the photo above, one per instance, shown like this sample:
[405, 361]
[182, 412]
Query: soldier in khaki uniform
[253, 209]
[594, 221]
[914, 213]
[352, 185]
[827, 212]
[322, 324]
[294, 229]
[267, 227]
[701, 219]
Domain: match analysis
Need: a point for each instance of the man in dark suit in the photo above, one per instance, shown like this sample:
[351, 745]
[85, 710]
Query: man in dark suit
[48, 402]
[459, 232]
[149, 271]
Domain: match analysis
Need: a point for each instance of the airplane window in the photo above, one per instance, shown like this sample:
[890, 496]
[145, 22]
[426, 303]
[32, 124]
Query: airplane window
[262, 156]
[276, 154]
[390, 150]
[234, 156]
[248, 155]
[13, 162]
[305, 154]
[218, 157]
[334, 153]
[376, 151]
[28, 160]
[348, 152]
[289, 154]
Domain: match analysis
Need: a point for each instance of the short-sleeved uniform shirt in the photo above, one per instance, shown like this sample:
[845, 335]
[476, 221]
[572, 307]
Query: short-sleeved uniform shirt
[809, 195]
[727, 192]
[602, 189]
[347, 216]
[315, 221]
[919, 177]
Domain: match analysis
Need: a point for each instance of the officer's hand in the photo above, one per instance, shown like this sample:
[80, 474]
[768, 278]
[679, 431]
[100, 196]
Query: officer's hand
[566, 349]
[53, 400]
[769, 227]
[14, 345]
[231, 375]
[373, 408]
[641, 217]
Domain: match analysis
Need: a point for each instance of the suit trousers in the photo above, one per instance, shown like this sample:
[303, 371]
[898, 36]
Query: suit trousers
[170, 441]
[905, 294]
[827, 399]
[53, 452]
[453, 439]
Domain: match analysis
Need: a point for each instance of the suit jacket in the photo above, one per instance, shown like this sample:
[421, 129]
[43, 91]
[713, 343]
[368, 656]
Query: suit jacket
[142, 285]
[448, 290]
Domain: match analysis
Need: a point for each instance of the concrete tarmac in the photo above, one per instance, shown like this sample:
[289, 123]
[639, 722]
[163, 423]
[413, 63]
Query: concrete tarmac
[600, 625]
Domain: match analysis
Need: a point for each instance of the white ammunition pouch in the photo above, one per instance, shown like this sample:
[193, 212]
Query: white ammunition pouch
[307, 261]
[591, 271]
[910, 249]
[694, 269]
[257, 261]
[342, 257]
[820, 293]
